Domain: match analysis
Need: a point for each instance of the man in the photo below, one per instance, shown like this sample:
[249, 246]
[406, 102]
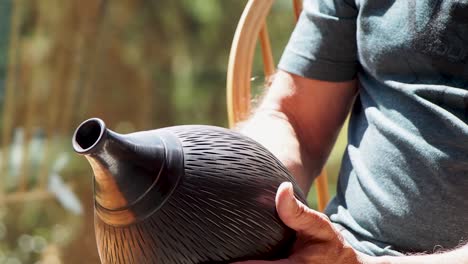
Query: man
[402, 194]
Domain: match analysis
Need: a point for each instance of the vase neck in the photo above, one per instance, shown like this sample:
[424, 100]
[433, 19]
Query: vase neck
[133, 173]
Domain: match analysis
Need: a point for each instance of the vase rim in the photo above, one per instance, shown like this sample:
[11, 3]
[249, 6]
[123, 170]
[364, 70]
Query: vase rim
[88, 135]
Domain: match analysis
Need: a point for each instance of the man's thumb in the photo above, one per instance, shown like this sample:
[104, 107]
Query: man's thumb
[298, 216]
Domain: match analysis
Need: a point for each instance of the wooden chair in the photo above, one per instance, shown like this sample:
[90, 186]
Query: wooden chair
[252, 25]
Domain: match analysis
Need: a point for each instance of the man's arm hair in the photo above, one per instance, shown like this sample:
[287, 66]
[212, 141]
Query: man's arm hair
[299, 119]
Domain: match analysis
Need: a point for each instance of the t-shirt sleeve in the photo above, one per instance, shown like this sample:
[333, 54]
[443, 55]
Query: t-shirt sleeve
[323, 44]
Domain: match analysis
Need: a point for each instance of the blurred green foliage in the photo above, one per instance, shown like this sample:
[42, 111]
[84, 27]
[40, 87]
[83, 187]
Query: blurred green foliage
[136, 64]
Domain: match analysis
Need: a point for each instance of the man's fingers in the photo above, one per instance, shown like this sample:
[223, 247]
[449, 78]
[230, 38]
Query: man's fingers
[299, 217]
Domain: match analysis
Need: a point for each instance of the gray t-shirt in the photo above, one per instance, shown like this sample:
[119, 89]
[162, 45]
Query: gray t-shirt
[403, 185]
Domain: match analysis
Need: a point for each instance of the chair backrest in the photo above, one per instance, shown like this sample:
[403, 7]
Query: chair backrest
[252, 26]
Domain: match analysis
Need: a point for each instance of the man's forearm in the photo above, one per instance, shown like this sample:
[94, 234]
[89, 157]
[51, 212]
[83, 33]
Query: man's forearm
[298, 121]
[457, 256]
[273, 130]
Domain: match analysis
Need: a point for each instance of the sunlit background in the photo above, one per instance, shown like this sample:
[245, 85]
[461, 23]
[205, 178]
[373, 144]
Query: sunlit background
[138, 65]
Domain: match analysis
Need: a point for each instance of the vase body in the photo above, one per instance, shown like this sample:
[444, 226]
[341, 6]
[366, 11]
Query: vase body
[207, 196]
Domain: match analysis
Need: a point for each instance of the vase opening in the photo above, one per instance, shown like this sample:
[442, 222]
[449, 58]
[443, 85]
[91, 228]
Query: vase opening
[88, 135]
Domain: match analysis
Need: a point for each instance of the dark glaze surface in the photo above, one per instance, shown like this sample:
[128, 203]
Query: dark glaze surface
[222, 210]
[146, 173]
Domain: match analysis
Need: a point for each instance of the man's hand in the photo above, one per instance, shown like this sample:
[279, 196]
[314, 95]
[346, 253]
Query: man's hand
[317, 240]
